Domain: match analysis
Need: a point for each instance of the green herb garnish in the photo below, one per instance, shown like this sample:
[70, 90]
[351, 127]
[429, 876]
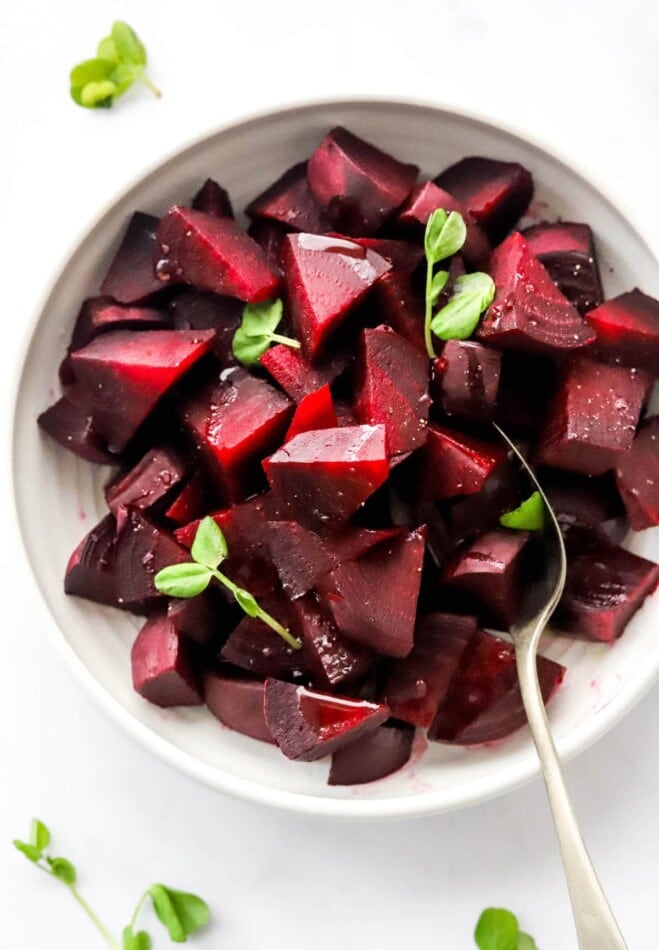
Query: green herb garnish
[529, 516]
[445, 235]
[120, 61]
[191, 578]
[256, 332]
[498, 929]
[472, 295]
[182, 914]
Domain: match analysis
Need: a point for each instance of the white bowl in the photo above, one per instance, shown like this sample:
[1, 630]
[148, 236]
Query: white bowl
[602, 683]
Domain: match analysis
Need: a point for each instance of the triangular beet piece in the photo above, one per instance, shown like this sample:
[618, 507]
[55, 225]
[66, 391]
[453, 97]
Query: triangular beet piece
[131, 276]
[315, 411]
[152, 479]
[91, 571]
[567, 251]
[143, 549]
[162, 666]
[627, 330]
[326, 278]
[70, 422]
[529, 312]
[101, 314]
[290, 202]
[372, 756]
[454, 464]
[307, 725]
[295, 375]
[427, 198]
[193, 500]
[199, 618]
[637, 477]
[213, 199]
[374, 599]
[238, 703]
[123, 374]
[466, 380]
[214, 254]
[331, 658]
[254, 647]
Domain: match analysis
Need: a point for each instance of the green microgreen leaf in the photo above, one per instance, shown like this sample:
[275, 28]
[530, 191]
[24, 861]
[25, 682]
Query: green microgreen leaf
[209, 546]
[246, 601]
[62, 869]
[445, 234]
[256, 332]
[120, 61]
[106, 49]
[497, 929]
[525, 942]
[129, 47]
[39, 834]
[31, 852]
[135, 941]
[472, 294]
[183, 580]
[529, 516]
[439, 282]
[182, 914]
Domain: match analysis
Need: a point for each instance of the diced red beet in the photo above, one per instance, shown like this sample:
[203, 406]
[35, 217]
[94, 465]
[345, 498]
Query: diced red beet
[356, 184]
[198, 310]
[91, 571]
[627, 330]
[162, 665]
[403, 256]
[69, 421]
[374, 599]
[496, 193]
[416, 685]
[484, 702]
[131, 277]
[238, 702]
[491, 570]
[428, 197]
[153, 479]
[254, 647]
[214, 254]
[270, 238]
[123, 374]
[100, 314]
[529, 312]
[401, 306]
[567, 251]
[330, 658]
[326, 278]
[234, 423]
[306, 725]
[586, 504]
[605, 587]
[299, 555]
[637, 477]
[454, 464]
[292, 372]
[471, 515]
[466, 380]
[391, 388]
[213, 199]
[526, 387]
[323, 477]
[199, 618]
[372, 756]
[315, 411]
[593, 417]
[143, 549]
[290, 202]
[192, 502]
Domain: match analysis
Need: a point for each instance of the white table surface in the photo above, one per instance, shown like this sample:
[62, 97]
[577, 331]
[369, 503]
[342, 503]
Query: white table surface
[585, 75]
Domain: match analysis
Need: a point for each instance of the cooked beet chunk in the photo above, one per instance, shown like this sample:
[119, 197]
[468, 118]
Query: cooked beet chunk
[299, 555]
[428, 197]
[484, 701]
[627, 330]
[471, 515]
[297, 378]
[162, 665]
[326, 277]
[234, 423]
[466, 380]
[213, 199]
[527, 385]
[238, 703]
[270, 238]
[325, 476]
[315, 411]
[214, 254]
[529, 312]
[100, 314]
[567, 251]
[417, 685]
[193, 500]
[290, 202]
[193, 309]
[69, 421]
[403, 256]
[307, 725]
[131, 276]
[254, 647]
[143, 549]
[454, 464]
[593, 417]
[123, 374]
[153, 479]
[356, 184]
[586, 505]
[372, 756]
[199, 618]
[637, 477]
[91, 571]
[605, 587]
[331, 658]
[496, 193]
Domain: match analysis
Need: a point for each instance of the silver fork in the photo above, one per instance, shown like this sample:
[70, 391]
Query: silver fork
[595, 924]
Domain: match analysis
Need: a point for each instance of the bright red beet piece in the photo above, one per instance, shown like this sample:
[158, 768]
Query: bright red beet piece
[567, 251]
[529, 312]
[162, 665]
[192, 502]
[69, 421]
[306, 725]
[131, 277]
[325, 476]
[155, 476]
[91, 572]
[593, 417]
[254, 647]
[143, 549]
[417, 685]
[627, 330]
[454, 464]
[326, 277]
[238, 703]
[100, 314]
[292, 372]
[330, 658]
[214, 254]
[199, 618]
[213, 199]
[356, 184]
[372, 756]
[496, 193]
[466, 380]
[290, 202]
[391, 388]
[315, 411]
[637, 477]
[428, 197]
[198, 310]
[586, 504]
[123, 374]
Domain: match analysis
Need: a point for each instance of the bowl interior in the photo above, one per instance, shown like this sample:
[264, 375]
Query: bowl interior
[67, 495]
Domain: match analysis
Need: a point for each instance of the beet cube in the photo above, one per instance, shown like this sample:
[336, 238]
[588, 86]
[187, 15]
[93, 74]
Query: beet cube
[637, 477]
[315, 411]
[213, 199]
[428, 197]
[307, 725]
[198, 310]
[290, 202]
[593, 417]
[325, 476]
[586, 505]
[292, 372]
[192, 502]
[199, 618]
[153, 479]
[214, 254]
[143, 549]
[567, 251]
[100, 314]
[91, 571]
[372, 756]
[69, 421]
[529, 312]
[627, 330]
[357, 185]
[238, 703]
[417, 685]
[254, 647]
[454, 464]
[466, 380]
[162, 665]
[131, 277]
[326, 277]
[331, 659]
[123, 374]
[496, 193]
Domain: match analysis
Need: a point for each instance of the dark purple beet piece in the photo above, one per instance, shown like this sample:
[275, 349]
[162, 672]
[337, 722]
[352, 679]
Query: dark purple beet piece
[143, 549]
[400, 305]
[417, 685]
[627, 330]
[295, 375]
[637, 477]
[254, 647]
[466, 380]
[153, 479]
[567, 251]
[213, 199]
[471, 515]
[90, 572]
[357, 185]
[526, 387]
[199, 618]
[315, 411]
[290, 202]
[193, 309]
[100, 314]
[372, 756]
[299, 555]
[307, 725]
[454, 464]
[330, 658]
[270, 238]
[193, 501]
[69, 421]
[131, 277]
[238, 703]
[403, 256]
[586, 504]
[162, 665]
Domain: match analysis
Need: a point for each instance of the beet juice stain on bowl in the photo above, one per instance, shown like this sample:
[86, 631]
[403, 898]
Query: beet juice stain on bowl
[358, 484]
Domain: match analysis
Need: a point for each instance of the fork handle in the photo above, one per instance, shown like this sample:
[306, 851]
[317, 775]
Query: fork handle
[595, 924]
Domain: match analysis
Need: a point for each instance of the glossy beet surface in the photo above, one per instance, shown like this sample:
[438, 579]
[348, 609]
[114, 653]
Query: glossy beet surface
[466, 379]
[627, 330]
[238, 703]
[567, 251]
[454, 464]
[143, 549]
[131, 276]
[637, 477]
[91, 571]
[70, 422]
[372, 756]
[290, 202]
[101, 314]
